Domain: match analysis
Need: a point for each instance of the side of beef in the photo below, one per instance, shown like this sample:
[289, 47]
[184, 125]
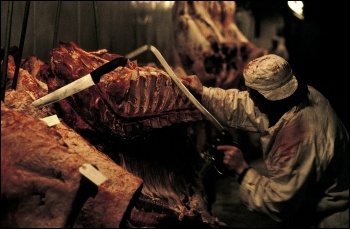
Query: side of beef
[127, 102]
[40, 177]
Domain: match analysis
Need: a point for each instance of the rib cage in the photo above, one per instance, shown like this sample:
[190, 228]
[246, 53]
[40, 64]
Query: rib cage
[151, 92]
[126, 102]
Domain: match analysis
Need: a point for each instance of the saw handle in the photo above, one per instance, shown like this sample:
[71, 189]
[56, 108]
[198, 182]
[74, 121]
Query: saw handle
[107, 67]
[224, 138]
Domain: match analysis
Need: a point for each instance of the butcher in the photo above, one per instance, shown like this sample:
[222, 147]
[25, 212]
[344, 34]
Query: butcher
[304, 143]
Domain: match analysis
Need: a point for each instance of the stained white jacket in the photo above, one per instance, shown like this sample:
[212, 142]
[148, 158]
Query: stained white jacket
[306, 153]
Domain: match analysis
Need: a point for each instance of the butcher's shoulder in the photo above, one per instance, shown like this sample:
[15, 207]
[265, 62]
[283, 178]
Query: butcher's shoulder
[319, 102]
[320, 113]
[315, 119]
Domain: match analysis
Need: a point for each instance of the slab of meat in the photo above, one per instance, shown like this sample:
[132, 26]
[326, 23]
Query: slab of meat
[208, 43]
[40, 178]
[39, 166]
[30, 86]
[25, 80]
[36, 68]
[126, 102]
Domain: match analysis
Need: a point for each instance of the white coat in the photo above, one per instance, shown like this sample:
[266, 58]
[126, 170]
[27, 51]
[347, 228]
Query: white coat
[306, 153]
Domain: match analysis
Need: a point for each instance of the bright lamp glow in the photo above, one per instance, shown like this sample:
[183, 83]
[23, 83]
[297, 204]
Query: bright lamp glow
[154, 4]
[297, 8]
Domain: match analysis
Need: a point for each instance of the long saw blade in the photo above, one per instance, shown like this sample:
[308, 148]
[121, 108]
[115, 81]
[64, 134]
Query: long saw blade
[177, 81]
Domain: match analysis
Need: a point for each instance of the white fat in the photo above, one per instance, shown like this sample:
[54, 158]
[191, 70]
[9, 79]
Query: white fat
[134, 76]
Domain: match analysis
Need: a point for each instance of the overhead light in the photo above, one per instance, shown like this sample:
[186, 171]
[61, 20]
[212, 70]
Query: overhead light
[154, 4]
[297, 8]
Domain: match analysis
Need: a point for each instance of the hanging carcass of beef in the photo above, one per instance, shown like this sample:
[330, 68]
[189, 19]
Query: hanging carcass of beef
[209, 44]
[126, 102]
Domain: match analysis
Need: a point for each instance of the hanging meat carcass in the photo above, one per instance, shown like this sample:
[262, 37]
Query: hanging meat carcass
[126, 102]
[208, 43]
[149, 142]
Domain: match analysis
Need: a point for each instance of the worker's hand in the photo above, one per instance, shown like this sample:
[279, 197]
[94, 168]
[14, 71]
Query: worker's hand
[193, 84]
[233, 158]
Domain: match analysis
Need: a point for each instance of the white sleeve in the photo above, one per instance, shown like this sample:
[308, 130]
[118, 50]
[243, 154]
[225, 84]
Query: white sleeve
[234, 108]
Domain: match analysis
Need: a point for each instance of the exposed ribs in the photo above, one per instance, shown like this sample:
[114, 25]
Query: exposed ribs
[127, 101]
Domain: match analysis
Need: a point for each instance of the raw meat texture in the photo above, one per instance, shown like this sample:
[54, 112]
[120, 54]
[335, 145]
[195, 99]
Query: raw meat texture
[40, 178]
[25, 80]
[36, 68]
[30, 86]
[208, 43]
[128, 101]
[139, 117]
[39, 164]
[164, 160]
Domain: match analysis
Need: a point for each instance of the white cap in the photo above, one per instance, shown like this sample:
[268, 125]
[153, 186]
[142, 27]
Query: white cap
[271, 76]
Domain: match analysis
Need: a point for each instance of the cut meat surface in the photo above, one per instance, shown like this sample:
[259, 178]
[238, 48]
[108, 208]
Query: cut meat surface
[40, 177]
